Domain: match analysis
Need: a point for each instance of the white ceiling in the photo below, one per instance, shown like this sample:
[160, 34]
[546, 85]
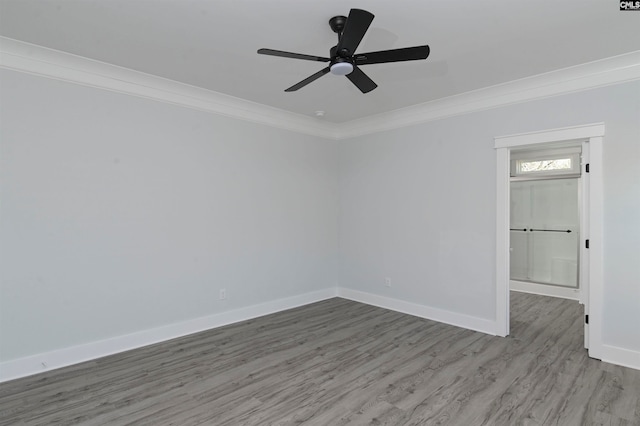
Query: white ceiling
[212, 44]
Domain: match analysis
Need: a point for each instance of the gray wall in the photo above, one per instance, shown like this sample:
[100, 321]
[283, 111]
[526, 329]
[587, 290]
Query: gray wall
[120, 214]
[418, 205]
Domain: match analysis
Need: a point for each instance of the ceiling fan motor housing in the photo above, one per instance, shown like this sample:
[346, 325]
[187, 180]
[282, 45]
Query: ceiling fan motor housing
[340, 65]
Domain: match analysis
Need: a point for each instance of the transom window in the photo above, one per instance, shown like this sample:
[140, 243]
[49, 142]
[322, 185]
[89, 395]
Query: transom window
[565, 161]
[544, 165]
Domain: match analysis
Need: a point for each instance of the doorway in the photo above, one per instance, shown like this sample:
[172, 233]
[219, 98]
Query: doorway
[545, 212]
[590, 138]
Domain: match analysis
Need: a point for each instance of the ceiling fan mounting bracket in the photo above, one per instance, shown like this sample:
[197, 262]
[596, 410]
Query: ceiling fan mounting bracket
[337, 23]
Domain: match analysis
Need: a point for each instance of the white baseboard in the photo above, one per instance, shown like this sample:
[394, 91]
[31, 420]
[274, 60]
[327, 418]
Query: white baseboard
[460, 320]
[545, 290]
[39, 363]
[621, 356]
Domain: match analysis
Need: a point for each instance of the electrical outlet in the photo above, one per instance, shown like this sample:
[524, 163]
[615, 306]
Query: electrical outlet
[387, 282]
[223, 293]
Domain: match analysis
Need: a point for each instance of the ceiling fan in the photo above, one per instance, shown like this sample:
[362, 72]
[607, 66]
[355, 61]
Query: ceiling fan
[342, 57]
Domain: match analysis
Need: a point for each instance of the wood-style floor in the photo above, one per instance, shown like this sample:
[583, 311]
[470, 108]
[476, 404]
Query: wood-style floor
[339, 362]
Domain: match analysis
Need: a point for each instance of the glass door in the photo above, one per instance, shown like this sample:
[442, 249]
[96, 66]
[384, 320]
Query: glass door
[545, 228]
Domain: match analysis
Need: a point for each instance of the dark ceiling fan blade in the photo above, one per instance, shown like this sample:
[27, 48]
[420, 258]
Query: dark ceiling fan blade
[357, 25]
[361, 80]
[308, 80]
[394, 55]
[292, 55]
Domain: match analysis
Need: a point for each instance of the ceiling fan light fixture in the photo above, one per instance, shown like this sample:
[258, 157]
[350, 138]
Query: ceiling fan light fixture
[341, 68]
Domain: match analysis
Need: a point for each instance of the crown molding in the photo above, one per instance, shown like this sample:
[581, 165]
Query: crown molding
[591, 75]
[32, 59]
[583, 132]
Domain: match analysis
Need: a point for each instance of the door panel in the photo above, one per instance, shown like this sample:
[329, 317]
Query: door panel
[545, 235]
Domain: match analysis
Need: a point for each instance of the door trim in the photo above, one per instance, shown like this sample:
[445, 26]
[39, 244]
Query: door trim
[592, 136]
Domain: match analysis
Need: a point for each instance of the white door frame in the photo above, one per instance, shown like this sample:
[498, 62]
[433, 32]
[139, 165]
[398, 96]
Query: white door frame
[593, 135]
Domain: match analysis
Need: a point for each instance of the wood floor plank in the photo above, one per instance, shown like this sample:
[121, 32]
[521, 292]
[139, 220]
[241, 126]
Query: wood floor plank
[339, 362]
